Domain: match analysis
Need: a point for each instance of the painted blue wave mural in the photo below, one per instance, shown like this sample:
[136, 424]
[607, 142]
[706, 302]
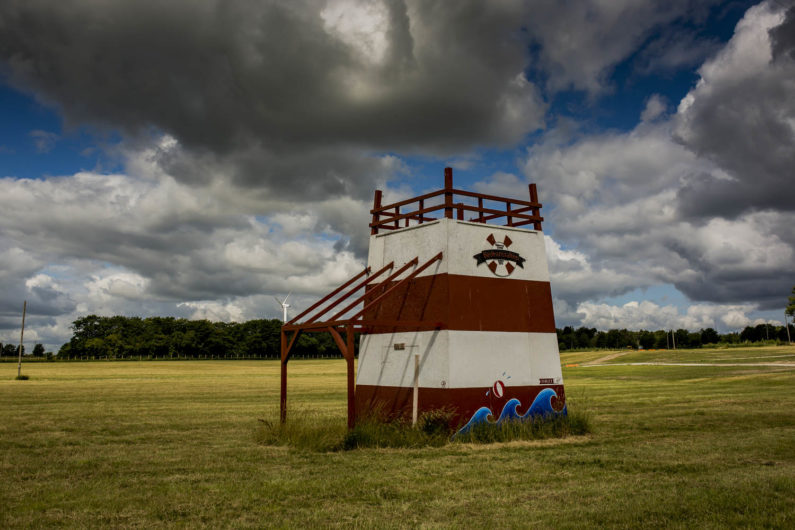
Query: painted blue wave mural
[541, 406]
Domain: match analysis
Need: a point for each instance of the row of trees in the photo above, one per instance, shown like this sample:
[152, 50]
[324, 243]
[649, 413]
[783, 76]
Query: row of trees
[11, 350]
[588, 338]
[121, 337]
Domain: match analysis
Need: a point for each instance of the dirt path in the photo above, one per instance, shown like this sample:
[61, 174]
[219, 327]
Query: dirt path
[606, 358]
[778, 364]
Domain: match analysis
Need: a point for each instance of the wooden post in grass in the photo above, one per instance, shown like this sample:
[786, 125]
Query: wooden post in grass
[349, 347]
[786, 326]
[416, 398]
[21, 337]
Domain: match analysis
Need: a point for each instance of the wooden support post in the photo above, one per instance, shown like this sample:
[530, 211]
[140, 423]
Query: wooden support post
[351, 379]
[21, 337]
[415, 402]
[460, 211]
[376, 215]
[448, 192]
[283, 401]
[422, 207]
[480, 213]
[508, 209]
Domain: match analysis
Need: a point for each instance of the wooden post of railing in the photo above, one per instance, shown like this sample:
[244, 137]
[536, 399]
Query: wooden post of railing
[448, 192]
[422, 207]
[534, 211]
[480, 213]
[376, 216]
[508, 209]
[397, 212]
[460, 212]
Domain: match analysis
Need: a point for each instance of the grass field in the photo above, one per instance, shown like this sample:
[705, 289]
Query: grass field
[148, 444]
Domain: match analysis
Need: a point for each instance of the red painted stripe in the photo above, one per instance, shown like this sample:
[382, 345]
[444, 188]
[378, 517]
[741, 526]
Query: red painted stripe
[393, 402]
[469, 303]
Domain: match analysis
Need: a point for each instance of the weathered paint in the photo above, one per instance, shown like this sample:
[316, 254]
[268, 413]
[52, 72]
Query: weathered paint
[459, 359]
[460, 241]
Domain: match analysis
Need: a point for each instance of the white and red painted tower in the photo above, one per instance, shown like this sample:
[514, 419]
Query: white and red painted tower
[489, 335]
[467, 317]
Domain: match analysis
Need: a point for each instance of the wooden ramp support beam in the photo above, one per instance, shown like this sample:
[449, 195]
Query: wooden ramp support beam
[346, 345]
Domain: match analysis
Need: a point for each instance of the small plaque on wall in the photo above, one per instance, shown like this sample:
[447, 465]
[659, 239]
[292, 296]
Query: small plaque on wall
[400, 345]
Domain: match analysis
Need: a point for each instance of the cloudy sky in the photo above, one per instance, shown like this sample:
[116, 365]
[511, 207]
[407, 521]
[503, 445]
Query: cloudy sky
[196, 157]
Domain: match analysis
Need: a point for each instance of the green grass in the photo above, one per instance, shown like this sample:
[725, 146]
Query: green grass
[151, 444]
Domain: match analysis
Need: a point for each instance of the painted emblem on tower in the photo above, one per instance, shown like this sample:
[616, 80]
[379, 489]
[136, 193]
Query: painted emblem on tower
[498, 259]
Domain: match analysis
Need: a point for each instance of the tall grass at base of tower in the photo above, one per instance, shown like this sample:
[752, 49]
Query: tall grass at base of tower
[316, 432]
[432, 430]
[321, 432]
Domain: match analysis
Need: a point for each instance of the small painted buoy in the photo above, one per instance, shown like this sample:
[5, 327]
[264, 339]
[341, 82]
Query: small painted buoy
[498, 389]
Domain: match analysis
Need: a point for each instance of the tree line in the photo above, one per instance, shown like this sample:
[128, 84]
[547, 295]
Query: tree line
[591, 338]
[12, 350]
[120, 337]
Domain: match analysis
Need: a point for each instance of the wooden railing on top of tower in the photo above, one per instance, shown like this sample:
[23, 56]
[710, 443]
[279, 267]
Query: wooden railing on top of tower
[390, 216]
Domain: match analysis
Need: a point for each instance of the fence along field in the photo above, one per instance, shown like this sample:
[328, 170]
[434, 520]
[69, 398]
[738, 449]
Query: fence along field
[154, 444]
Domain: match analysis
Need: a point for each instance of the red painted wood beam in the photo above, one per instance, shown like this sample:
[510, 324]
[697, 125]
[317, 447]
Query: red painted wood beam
[398, 284]
[382, 270]
[335, 291]
[362, 297]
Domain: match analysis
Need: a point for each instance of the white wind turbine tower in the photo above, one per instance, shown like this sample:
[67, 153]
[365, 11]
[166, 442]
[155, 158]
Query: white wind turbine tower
[284, 305]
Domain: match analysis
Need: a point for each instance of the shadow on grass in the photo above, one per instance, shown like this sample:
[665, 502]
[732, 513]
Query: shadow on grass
[318, 432]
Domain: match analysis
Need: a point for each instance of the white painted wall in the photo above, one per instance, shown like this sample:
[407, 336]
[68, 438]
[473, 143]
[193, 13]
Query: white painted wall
[459, 241]
[459, 359]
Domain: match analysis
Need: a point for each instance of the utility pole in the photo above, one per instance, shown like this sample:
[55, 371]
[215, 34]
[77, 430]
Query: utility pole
[786, 326]
[673, 338]
[21, 338]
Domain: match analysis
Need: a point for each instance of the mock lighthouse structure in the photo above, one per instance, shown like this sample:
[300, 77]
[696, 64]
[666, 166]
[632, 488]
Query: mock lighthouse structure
[455, 312]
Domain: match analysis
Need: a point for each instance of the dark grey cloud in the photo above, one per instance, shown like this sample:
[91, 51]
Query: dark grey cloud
[783, 36]
[674, 50]
[741, 116]
[291, 175]
[291, 96]
[581, 42]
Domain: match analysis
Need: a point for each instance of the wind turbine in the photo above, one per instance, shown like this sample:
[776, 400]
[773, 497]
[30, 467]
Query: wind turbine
[284, 305]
